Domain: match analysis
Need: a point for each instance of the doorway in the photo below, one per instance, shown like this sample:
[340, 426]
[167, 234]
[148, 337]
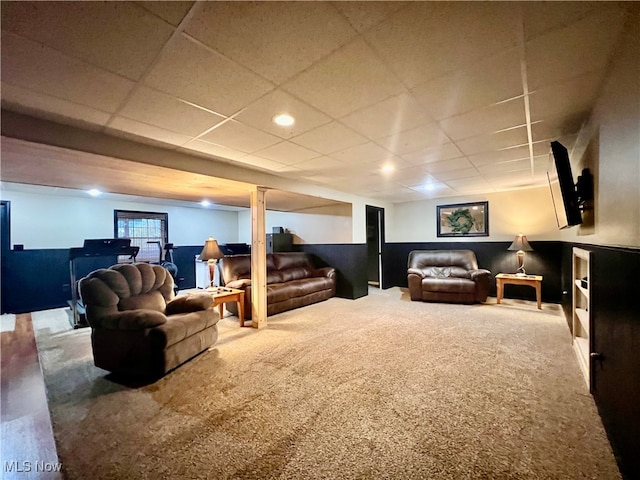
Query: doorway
[375, 242]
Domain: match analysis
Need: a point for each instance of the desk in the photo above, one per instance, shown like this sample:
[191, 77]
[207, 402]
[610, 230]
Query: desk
[534, 281]
[222, 295]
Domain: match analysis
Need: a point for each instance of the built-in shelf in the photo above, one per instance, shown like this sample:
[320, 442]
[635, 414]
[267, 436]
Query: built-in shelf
[581, 311]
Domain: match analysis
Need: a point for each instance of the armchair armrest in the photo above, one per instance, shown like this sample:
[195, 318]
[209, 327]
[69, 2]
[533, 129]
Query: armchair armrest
[133, 320]
[189, 303]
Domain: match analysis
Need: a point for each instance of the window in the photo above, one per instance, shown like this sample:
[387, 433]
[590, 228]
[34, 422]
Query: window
[145, 229]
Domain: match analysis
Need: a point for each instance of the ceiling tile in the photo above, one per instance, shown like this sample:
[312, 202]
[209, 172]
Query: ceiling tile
[572, 96]
[156, 108]
[428, 39]
[581, 47]
[493, 141]
[260, 114]
[288, 153]
[347, 80]
[553, 128]
[213, 149]
[492, 80]
[485, 120]
[364, 15]
[497, 156]
[367, 152]
[149, 131]
[416, 139]
[498, 168]
[446, 151]
[260, 163]
[391, 115]
[320, 165]
[275, 39]
[30, 65]
[329, 138]
[447, 165]
[118, 36]
[188, 70]
[238, 136]
[541, 17]
[50, 108]
[457, 174]
[173, 11]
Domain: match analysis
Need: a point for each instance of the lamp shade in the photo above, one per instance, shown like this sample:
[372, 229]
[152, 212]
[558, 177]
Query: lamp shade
[211, 250]
[520, 243]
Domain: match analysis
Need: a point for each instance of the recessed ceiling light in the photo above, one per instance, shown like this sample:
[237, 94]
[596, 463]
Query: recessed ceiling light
[429, 186]
[388, 168]
[94, 192]
[284, 120]
[205, 203]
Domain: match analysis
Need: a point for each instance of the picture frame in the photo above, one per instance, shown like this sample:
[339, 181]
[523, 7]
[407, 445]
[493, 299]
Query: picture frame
[463, 220]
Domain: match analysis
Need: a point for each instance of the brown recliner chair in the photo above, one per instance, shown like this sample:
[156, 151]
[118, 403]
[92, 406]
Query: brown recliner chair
[138, 327]
[447, 276]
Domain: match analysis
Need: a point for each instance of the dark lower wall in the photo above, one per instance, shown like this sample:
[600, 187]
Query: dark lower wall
[350, 262]
[546, 259]
[35, 280]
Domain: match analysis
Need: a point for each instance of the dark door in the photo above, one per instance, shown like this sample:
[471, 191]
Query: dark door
[616, 358]
[375, 242]
[5, 246]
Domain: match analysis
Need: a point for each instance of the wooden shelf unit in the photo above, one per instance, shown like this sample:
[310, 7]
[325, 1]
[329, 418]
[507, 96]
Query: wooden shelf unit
[581, 311]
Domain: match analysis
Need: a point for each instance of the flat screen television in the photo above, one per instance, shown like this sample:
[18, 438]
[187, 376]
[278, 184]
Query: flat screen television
[566, 201]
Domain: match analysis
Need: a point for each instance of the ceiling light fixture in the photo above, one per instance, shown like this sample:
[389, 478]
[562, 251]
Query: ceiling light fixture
[94, 192]
[205, 203]
[388, 168]
[284, 120]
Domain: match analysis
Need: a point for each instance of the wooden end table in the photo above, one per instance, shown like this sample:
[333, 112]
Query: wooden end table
[222, 295]
[534, 281]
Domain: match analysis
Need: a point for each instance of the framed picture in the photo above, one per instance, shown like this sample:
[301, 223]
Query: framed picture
[463, 220]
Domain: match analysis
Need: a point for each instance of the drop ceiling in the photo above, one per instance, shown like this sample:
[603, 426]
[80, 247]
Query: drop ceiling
[454, 98]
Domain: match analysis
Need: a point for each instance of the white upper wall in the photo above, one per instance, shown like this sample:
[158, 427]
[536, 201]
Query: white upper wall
[611, 147]
[319, 225]
[521, 211]
[40, 220]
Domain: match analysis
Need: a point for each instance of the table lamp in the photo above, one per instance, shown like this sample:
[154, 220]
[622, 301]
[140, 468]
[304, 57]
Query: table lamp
[521, 245]
[211, 253]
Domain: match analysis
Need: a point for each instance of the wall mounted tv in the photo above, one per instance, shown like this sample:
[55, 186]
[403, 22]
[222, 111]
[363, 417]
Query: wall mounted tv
[566, 201]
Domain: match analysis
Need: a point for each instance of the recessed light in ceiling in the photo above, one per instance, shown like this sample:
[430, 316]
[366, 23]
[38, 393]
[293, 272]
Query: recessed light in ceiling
[284, 120]
[388, 168]
[205, 203]
[94, 192]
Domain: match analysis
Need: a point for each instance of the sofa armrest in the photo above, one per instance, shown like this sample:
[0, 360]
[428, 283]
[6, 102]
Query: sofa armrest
[240, 284]
[189, 303]
[133, 320]
[416, 271]
[479, 273]
[324, 272]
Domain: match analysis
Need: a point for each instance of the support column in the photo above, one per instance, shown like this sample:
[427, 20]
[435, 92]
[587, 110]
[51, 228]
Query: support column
[258, 258]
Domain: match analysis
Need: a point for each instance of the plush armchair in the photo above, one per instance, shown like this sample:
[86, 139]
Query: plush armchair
[138, 327]
[447, 276]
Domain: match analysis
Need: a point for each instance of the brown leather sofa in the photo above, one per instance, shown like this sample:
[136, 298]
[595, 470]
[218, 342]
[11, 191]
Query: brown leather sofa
[447, 276]
[138, 327]
[292, 281]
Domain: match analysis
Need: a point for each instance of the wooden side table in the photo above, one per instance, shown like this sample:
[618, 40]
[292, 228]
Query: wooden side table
[534, 281]
[222, 295]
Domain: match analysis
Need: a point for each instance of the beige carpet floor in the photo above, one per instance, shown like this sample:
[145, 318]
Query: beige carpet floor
[374, 388]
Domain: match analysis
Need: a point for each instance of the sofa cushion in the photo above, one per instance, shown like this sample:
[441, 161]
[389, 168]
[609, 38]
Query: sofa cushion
[295, 273]
[448, 285]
